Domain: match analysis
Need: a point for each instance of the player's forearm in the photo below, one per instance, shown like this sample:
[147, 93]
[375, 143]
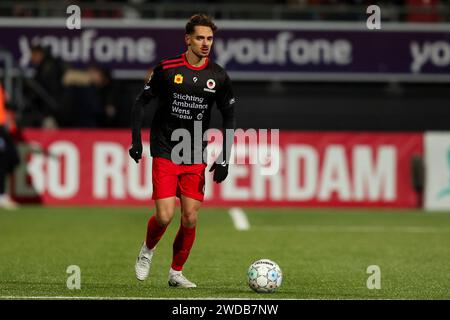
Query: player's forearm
[137, 116]
[229, 125]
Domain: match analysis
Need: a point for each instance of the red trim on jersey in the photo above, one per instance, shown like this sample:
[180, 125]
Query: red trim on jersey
[168, 66]
[171, 61]
[193, 67]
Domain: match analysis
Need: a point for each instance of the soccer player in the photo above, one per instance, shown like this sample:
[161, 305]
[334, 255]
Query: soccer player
[186, 86]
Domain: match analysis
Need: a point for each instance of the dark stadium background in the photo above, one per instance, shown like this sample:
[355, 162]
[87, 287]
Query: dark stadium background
[324, 252]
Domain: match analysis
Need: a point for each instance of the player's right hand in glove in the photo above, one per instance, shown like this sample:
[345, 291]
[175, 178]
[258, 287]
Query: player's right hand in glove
[220, 171]
[136, 151]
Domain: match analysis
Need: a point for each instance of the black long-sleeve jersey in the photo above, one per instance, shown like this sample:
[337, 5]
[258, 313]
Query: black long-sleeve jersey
[186, 95]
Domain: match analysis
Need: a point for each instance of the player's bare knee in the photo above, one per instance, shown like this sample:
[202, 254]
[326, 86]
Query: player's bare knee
[164, 217]
[189, 217]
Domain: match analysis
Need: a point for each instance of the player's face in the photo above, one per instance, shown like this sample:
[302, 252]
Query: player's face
[200, 41]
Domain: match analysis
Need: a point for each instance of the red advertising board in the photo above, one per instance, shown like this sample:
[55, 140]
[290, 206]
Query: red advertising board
[346, 169]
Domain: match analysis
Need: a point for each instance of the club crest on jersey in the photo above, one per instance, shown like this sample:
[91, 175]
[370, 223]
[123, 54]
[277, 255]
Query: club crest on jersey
[211, 84]
[195, 79]
[178, 79]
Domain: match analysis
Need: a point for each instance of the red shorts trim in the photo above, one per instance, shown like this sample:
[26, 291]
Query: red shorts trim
[170, 179]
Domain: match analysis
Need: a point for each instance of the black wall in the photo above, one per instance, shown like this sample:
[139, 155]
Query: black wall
[340, 106]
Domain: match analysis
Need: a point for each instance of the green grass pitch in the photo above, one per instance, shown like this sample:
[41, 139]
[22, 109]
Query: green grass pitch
[324, 253]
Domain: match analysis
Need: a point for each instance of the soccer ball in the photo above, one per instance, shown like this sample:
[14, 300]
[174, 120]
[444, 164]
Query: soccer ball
[264, 276]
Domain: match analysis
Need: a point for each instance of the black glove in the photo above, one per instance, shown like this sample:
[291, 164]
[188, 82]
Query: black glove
[220, 171]
[136, 151]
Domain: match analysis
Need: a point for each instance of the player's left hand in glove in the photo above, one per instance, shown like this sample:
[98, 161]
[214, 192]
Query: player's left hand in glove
[136, 151]
[220, 171]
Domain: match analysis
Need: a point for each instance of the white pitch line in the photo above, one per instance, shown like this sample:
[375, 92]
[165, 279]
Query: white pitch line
[70, 298]
[129, 298]
[239, 218]
[358, 229]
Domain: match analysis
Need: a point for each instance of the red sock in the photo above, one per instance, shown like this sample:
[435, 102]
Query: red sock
[182, 246]
[154, 232]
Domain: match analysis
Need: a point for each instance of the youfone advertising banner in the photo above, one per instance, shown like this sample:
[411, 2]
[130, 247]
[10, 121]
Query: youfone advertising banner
[247, 50]
[92, 167]
[437, 172]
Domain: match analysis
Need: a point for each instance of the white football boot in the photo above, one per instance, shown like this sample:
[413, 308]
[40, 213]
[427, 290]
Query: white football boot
[7, 203]
[143, 262]
[176, 279]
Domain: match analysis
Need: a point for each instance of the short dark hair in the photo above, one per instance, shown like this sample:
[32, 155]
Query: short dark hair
[200, 19]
